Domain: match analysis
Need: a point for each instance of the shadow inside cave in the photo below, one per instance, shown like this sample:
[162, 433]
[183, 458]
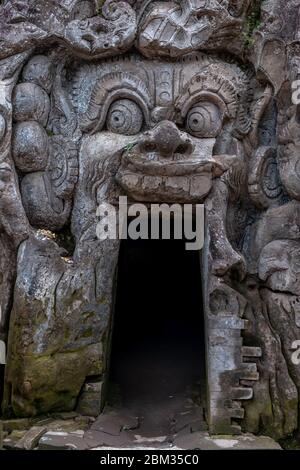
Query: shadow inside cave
[157, 363]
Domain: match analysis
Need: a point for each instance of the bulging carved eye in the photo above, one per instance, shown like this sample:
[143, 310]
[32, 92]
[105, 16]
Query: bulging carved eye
[124, 117]
[204, 120]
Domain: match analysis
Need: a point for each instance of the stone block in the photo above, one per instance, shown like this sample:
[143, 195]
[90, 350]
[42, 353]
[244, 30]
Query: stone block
[31, 438]
[91, 400]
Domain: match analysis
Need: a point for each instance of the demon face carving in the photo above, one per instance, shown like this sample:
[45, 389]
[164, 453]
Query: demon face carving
[105, 99]
[155, 130]
[181, 121]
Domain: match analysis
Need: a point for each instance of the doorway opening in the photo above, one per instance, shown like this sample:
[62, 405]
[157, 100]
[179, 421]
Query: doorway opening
[157, 361]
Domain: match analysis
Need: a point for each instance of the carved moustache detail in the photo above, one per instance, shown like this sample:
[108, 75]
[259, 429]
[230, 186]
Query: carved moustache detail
[168, 164]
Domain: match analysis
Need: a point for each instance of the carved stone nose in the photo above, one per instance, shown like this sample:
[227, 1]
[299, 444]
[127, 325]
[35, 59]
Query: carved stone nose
[166, 139]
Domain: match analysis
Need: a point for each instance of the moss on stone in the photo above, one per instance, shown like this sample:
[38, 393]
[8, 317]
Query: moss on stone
[99, 7]
[260, 419]
[252, 24]
[291, 442]
[53, 381]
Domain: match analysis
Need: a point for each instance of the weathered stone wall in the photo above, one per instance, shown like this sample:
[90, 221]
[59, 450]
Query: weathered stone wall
[187, 101]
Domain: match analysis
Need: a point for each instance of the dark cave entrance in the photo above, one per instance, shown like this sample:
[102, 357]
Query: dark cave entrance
[158, 342]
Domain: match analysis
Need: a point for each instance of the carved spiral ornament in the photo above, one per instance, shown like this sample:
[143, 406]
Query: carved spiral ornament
[264, 183]
[124, 117]
[204, 120]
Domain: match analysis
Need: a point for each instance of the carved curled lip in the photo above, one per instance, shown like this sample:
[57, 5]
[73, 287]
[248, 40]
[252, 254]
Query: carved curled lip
[167, 167]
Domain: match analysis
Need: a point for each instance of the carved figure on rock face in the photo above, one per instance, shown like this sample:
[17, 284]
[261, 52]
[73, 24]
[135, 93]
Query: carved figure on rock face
[289, 149]
[127, 100]
[176, 127]
[281, 220]
[173, 130]
[157, 131]
[279, 268]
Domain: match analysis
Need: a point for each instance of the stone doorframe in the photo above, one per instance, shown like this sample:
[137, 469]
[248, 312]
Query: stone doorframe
[231, 366]
[231, 369]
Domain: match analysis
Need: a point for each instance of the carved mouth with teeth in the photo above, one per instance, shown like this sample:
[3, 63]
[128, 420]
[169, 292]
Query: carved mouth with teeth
[148, 180]
[166, 164]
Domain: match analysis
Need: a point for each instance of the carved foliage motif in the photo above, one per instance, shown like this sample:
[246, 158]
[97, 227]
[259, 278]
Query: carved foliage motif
[176, 28]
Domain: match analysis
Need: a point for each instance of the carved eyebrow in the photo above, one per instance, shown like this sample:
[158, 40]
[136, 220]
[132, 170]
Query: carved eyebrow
[215, 88]
[111, 87]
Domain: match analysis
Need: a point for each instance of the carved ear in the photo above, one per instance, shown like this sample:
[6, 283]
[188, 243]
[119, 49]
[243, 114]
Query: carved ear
[264, 184]
[110, 88]
[43, 208]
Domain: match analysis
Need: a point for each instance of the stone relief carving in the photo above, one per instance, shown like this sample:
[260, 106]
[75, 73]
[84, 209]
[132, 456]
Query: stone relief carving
[162, 102]
[176, 28]
[78, 24]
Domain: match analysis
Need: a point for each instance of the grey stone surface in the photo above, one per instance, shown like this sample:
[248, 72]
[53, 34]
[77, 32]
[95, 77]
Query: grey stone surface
[91, 399]
[203, 441]
[30, 103]
[140, 98]
[30, 147]
[61, 441]
[32, 437]
[39, 70]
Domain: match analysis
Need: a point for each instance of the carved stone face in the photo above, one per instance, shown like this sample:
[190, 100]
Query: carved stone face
[85, 119]
[172, 123]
